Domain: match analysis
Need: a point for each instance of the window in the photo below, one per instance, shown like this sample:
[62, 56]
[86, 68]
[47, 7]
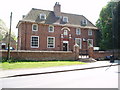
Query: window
[34, 27]
[90, 42]
[65, 32]
[51, 42]
[51, 28]
[89, 32]
[78, 42]
[34, 41]
[84, 22]
[42, 16]
[78, 31]
[65, 19]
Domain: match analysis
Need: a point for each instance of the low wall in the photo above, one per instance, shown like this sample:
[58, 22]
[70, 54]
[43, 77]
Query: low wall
[103, 54]
[42, 55]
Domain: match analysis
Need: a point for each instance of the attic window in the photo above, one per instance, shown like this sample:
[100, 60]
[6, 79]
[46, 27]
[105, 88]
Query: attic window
[65, 19]
[84, 22]
[42, 16]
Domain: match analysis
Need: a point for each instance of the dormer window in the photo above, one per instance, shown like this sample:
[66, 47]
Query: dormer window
[65, 19]
[84, 22]
[34, 27]
[42, 16]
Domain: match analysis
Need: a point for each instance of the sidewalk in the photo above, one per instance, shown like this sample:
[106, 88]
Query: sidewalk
[35, 71]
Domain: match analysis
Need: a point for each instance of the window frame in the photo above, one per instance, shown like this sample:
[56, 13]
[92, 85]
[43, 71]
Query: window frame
[84, 22]
[42, 14]
[88, 43]
[90, 32]
[65, 19]
[78, 29]
[53, 42]
[65, 32]
[80, 46]
[52, 28]
[33, 27]
[37, 41]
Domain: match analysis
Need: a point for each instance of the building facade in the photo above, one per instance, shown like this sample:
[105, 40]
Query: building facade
[55, 31]
[4, 43]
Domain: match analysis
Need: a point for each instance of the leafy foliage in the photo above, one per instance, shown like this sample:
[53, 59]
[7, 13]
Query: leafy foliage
[106, 23]
[4, 29]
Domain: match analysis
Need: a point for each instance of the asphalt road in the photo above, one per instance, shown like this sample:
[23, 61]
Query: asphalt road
[92, 78]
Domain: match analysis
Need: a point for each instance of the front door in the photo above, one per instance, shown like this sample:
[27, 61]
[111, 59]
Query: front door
[65, 45]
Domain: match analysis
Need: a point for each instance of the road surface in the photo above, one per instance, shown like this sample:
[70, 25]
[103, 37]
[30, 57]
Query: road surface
[92, 78]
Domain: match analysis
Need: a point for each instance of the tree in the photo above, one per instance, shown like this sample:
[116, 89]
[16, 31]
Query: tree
[3, 30]
[105, 24]
[116, 25]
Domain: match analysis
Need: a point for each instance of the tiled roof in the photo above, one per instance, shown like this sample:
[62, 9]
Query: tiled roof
[73, 19]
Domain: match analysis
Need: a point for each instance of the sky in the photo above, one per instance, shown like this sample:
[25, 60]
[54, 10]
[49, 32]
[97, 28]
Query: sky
[89, 8]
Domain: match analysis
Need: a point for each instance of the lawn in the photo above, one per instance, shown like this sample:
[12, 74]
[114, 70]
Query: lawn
[23, 65]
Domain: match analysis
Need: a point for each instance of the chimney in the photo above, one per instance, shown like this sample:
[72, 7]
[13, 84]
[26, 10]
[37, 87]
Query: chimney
[57, 9]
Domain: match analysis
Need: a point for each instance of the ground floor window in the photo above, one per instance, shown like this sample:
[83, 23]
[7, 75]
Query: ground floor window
[51, 42]
[78, 42]
[34, 41]
[90, 42]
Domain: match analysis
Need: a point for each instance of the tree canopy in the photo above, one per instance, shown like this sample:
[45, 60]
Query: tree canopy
[4, 29]
[108, 25]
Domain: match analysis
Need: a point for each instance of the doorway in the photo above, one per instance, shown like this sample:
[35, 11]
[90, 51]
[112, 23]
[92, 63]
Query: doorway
[65, 45]
[3, 46]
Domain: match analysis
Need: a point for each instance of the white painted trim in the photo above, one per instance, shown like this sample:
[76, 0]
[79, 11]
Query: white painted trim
[3, 44]
[65, 17]
[42, 14]
[53, 42]
[91, 40]
[65, 32]
[33, 25]
[66, 28]
[79, 31]
[49, 28]
[67, 44]
[90, 32]
[65, 41]
[31, 42]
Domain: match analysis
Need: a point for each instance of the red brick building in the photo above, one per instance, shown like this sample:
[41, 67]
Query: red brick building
[54, 30]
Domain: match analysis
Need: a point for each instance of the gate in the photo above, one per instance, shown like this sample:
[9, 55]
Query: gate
[83, 53]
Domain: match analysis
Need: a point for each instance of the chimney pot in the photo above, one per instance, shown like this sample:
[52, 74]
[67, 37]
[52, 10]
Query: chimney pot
[57, 9]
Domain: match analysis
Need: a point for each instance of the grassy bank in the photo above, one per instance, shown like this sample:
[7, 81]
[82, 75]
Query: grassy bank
[23, 65]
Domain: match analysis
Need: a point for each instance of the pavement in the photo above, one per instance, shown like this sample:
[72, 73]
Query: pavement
[36, 71]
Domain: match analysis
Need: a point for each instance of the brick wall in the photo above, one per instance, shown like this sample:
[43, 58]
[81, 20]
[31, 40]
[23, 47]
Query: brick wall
[42, 55]
[25, 32]
[103, 54]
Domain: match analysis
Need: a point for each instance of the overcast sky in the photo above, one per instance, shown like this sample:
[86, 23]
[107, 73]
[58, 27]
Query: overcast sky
[89, 8]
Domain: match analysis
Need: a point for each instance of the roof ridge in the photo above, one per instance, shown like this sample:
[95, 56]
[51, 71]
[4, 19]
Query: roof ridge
[53, 11]
[72, 14]
[41, 9]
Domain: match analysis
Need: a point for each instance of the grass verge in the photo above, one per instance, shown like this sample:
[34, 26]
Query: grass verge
[24, 65]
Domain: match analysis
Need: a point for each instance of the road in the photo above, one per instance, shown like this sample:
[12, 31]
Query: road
[92, 78]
